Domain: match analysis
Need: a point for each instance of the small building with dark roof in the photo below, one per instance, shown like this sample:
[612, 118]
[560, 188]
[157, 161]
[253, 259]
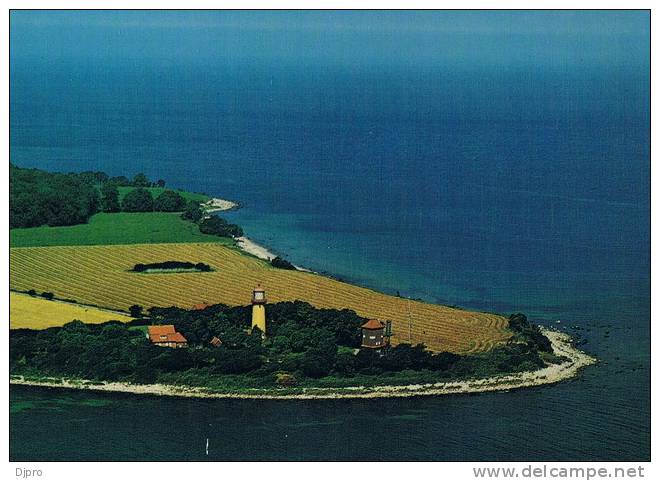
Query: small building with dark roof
[373, 334]
[166, 336]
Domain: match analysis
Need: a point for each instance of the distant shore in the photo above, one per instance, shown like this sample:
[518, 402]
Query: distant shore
[550, 374]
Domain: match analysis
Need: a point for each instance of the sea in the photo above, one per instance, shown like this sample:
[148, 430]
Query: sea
[493, 160]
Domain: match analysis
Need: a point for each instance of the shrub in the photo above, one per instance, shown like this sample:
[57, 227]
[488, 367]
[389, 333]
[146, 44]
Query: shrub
[145, 374]
[284, 379]
[121, 181]
[169, 201]
[528, 332]
[110, 198]
[172, 265]
[192, 212]
[345, 364]
[141, 180]
[215, 225]
[282, 263]
[138, 200]
[47, 295]
[443, 361]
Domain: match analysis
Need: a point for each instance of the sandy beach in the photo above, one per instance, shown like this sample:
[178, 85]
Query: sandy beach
[216, 205]
[561, 342]
[244, 243]
[251, 247]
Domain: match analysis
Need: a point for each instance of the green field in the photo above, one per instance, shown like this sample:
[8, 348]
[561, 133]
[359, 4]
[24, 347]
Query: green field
[156, 191]
[112, 229]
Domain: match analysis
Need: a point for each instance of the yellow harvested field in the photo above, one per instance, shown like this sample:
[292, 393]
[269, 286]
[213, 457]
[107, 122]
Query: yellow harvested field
[26, 312]
[100, 275]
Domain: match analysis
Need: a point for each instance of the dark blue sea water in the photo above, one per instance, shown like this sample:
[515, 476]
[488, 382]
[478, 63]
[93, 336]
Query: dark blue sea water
[492, 160]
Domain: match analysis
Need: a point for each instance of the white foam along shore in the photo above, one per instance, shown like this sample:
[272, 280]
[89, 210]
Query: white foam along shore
[574, 361]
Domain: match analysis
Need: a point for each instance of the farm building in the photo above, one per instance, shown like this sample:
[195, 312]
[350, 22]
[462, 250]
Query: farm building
[166, 336]
[373, 334]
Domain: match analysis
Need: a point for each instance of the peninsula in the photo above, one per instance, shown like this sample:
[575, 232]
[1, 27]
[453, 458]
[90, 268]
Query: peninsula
[135, 248]
[574, 361]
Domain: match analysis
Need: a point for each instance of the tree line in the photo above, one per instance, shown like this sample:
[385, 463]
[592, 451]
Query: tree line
[39, 198]
[173, 265]
[43, 198]
[140, 200]
[304, 345]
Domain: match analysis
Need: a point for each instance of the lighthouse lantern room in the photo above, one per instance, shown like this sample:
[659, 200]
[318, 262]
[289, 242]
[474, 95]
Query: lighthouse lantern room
[259, 309]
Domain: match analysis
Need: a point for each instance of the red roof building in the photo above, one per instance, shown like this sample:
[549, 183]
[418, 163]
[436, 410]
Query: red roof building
[166, 336]
[373, 334]
[200, 307]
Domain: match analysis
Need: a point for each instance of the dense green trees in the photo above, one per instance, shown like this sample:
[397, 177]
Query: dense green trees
[303, 342]
[172, 265]
[169, 201]
[37, 198]
[138, 200]
[528, 332]
[215, 225]
[192, 212]
[121, 181]
[110, 198]
[141, 180]
[135, 310]
[282, 263]
[320, 354]
[94, 178]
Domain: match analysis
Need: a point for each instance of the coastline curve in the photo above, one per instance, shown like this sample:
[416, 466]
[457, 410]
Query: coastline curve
[562, 345]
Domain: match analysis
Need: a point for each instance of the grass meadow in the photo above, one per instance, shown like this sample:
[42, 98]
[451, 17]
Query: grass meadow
[118, 228]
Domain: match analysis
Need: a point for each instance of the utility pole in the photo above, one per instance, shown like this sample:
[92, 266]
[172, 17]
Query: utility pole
[409, 324]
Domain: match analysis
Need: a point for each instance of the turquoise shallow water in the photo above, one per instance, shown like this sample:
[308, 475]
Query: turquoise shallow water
[491, 161]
